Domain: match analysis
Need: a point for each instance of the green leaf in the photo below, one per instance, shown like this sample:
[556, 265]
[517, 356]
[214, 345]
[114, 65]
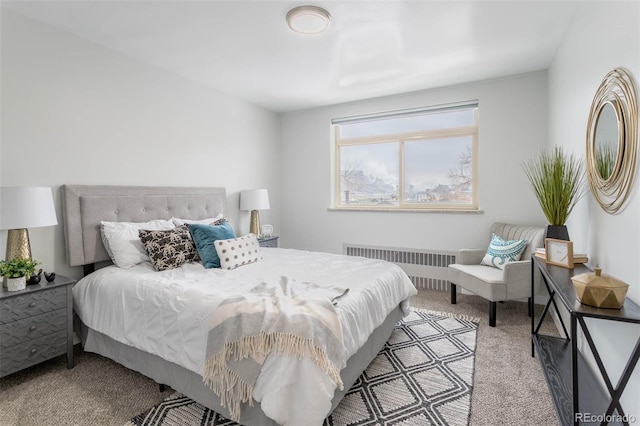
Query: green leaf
[16, 268]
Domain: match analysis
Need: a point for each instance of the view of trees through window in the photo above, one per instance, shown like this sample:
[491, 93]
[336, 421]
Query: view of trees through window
[418, 159]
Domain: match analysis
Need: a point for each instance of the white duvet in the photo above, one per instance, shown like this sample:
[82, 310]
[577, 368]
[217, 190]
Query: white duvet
[168, 314]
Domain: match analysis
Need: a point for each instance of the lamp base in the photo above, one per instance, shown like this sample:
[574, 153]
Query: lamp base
[254, 226]
[18, 246]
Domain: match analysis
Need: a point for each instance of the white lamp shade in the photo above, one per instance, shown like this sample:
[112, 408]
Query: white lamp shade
[26, 207]
[254, 199]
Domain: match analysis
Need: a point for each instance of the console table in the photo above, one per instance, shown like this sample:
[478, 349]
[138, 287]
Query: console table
[576, 391]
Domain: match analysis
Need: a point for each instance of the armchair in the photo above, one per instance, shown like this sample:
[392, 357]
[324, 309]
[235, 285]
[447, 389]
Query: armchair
[494, 284]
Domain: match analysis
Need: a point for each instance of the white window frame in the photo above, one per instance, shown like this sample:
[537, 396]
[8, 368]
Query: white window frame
[402, 138]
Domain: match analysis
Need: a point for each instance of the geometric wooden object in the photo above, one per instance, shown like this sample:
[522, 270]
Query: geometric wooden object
[601, 291]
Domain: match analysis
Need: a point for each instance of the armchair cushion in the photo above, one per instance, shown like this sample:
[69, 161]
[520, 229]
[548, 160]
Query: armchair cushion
[485, 281]
[482, 272]
[501, 252]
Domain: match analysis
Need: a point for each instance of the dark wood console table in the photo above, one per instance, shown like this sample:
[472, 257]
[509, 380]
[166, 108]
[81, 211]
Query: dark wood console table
[575, 387]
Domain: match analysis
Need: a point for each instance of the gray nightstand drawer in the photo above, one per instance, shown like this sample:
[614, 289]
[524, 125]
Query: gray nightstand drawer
[23, 330]
[32, 352]
[268, 242]
[30, 304]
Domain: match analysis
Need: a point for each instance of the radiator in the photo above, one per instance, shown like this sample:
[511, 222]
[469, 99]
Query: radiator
[426, 268]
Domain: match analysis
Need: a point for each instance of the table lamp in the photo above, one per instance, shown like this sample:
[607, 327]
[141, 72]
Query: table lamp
[254, 200]
[22, 208]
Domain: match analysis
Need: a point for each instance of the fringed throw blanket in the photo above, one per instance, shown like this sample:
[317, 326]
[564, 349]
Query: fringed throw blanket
[289, 318]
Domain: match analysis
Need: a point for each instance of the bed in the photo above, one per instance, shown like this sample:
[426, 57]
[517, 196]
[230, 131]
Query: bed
[156, 323]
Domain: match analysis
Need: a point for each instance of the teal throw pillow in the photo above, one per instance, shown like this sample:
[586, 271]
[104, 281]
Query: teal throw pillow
[205, 236]
[501, 252]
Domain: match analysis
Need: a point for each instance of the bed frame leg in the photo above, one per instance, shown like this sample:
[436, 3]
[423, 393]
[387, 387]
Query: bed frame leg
[453, 293]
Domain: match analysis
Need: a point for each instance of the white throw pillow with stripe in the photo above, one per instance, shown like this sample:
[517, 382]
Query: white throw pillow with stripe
[501, 252]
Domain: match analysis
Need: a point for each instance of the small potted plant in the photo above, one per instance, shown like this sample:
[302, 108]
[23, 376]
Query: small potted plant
[16, 272]
[558, 182]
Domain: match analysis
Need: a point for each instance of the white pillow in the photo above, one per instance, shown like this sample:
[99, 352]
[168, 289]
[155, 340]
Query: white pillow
[177, 221]
[501, 252]
[123, 243]
[236, 252]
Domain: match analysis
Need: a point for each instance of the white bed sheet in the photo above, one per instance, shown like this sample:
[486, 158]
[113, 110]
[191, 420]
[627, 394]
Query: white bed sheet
[168, 314]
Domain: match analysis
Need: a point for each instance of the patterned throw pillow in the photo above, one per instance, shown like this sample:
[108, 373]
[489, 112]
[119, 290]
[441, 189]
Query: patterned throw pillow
[240, 251]
[501, 252]
[169, 249]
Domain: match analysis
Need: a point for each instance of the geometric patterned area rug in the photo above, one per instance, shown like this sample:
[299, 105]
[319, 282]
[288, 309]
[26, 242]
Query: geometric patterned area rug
[423, 376]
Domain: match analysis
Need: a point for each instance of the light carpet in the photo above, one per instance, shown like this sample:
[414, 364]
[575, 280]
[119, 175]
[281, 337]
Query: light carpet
[423, 376]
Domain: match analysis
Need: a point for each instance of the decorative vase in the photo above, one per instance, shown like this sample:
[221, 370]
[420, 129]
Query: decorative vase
[16, 284]
[558, 232]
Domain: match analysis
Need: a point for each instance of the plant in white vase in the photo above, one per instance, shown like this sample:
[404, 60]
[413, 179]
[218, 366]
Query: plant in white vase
[16, 271]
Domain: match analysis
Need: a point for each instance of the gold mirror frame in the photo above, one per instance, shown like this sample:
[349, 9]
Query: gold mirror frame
[617, 90]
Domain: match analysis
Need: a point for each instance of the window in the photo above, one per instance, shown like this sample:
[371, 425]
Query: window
[417, 159]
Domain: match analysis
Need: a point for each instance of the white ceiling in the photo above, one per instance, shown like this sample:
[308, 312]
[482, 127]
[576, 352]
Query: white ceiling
[372, 48]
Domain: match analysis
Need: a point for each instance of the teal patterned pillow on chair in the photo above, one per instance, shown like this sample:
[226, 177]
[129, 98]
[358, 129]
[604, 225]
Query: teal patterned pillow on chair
[501, 252]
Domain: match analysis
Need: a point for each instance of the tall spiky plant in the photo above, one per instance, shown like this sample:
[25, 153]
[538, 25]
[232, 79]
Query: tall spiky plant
[558, 182]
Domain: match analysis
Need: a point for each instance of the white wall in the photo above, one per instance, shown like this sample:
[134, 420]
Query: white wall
[74, 112]
[512, 129]
[603, 36]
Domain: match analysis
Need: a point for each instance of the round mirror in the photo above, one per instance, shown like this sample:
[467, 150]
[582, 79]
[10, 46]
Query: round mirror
[607, 142]
[612, 140]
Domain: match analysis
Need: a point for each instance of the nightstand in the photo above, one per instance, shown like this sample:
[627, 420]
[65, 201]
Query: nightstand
[36, 324]
[268, 241]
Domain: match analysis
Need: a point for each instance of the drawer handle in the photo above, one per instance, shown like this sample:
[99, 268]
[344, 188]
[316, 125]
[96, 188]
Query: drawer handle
[33, 327]
[32, 304]
[34, 350]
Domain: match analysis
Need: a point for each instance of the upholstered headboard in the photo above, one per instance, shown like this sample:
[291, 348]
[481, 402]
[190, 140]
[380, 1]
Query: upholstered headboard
[85, 206]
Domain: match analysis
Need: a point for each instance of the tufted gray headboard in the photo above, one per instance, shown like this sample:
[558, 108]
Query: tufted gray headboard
[85, 206]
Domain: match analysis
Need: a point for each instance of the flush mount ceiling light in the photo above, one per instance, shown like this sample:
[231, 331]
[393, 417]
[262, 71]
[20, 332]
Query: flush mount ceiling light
[308, 19]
